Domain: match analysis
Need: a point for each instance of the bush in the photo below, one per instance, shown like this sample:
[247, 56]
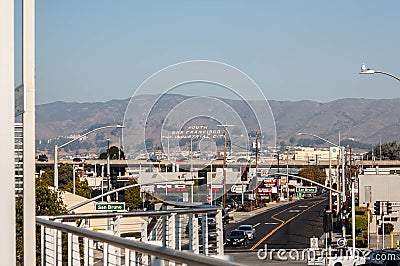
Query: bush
[361, 210]
[361, 223]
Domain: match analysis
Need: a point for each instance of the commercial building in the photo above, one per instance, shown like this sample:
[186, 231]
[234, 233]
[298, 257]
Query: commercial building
[383, 188]
[314, 155]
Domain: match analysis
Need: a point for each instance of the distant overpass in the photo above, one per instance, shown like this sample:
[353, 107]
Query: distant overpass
[199, 164]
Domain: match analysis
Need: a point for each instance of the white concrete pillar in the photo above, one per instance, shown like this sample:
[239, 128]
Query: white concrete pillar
[7, 222]
[28, 79]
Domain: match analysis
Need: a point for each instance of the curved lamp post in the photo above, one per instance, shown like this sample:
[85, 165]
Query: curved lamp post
[365, 70]
[343, 173]
[56, 148]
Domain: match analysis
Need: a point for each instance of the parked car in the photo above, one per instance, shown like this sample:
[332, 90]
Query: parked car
[77, 160]
[153, 159]
[42, 158]
[249, 229]
[231, 204]
[308, 195]
[383, 257]
[237, 238]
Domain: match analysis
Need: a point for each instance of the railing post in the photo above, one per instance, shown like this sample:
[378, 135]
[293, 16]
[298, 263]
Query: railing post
[130, 256]
[143, 233]
[76, 256]
[144, 258]
[57, 245]
[69, 248]
[193, 234]
[42, 245]
[105, 253]
[164, 231]
[88, 251]
[178, 232]
[171, 231]
[117, 232]
[220, 233]
[204, 233]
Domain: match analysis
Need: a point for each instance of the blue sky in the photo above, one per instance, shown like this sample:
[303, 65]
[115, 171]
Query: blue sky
[97, 50]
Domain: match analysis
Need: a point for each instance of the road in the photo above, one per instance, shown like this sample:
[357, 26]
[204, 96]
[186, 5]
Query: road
[286, 227]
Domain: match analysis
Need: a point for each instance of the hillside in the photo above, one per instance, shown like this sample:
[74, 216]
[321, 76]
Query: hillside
[364, 120]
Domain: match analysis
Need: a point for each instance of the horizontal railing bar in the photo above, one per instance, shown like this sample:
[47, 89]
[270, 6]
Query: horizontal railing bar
[132, 214]
[141, 247]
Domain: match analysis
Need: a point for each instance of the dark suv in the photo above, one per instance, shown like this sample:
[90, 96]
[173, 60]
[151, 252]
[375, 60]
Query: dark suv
[237, 238]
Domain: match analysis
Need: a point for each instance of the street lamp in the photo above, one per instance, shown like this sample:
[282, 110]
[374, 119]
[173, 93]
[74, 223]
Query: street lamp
[56, 148]
[108, 164]
[343, 174]
[365, 70]
[224, 167]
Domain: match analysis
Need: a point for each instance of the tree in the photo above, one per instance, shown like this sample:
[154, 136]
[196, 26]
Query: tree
[65, 181]
[64, 175]
[132, 195]
[115, 154]
[389, 151]
[67, 184]
[81, 188]
[313, 173]
[47, 203]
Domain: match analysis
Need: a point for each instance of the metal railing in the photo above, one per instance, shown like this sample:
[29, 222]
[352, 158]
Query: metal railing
[64, 243]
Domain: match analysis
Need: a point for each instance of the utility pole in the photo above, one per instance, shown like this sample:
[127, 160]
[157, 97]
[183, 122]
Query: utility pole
[330, 186]
[108, 164]
[287, 172]
[256, 167]
[224, 169]
[224, 165]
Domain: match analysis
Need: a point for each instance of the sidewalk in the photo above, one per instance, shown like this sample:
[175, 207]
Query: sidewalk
[240, 216]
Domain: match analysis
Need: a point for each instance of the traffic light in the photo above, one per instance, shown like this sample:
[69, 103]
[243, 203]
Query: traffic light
[377, 208]
[243, 176]
[327, 221]
[389, 209]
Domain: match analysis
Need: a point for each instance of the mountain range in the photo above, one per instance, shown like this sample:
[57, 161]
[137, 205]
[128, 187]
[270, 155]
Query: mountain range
[364, 120]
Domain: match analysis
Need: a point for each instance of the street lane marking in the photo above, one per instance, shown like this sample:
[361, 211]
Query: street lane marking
[294, 210]
[271, 223]
[303, 206]
[279, 220]
[281, 225]
[257, 224]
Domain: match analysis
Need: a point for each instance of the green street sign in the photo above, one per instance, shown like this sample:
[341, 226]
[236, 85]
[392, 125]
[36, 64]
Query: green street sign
[306, 189]
[116, 206]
